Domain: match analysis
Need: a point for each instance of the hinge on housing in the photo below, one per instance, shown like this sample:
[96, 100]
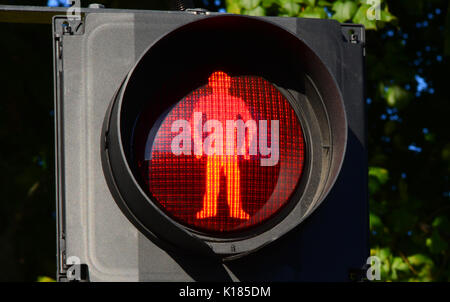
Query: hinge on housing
[353, 33]
[73, 27]
[69, 25]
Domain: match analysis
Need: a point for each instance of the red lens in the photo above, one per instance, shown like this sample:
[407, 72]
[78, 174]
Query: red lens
[226, 157]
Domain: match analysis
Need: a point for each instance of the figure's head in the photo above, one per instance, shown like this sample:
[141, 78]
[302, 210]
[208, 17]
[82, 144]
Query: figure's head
[220, 82]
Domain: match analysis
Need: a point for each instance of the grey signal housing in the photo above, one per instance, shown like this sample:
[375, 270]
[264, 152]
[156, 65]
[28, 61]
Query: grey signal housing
[118, 60]
[305, 81]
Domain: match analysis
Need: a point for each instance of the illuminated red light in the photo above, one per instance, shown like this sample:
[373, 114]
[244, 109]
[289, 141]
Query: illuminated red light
[226, 157]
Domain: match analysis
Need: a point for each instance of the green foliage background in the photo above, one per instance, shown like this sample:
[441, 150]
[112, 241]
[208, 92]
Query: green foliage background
[409, 190]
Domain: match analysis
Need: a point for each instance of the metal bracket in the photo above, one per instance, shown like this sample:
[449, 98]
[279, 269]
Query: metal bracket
[69, 26]
[354, 34]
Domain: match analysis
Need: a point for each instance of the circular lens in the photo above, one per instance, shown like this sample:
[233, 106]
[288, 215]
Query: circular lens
[227, 157]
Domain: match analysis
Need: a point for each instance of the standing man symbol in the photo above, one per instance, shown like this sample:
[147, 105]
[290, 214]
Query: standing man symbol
[222, 107]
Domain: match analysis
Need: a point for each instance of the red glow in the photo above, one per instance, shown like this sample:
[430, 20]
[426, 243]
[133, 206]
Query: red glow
[229, 108]
[209, 181]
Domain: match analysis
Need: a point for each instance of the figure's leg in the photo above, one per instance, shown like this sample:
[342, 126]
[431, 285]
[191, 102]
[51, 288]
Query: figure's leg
[213, 167]
[232, 174]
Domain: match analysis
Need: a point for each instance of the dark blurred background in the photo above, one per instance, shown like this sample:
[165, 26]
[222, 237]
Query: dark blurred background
[409, 138]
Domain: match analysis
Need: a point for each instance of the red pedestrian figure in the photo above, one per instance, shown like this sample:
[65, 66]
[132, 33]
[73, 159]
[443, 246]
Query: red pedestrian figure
[222, 107]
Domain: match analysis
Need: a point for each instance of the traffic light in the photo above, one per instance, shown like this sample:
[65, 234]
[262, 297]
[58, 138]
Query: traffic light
[206, 146]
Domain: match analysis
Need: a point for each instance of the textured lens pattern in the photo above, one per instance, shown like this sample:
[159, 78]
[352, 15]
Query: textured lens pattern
[211, 173]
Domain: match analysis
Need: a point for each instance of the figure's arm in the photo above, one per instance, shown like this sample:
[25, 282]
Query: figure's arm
[245, 113]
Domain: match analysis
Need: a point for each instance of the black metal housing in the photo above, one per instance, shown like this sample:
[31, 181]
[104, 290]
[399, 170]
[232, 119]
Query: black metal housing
[91, 62]
[238, 45]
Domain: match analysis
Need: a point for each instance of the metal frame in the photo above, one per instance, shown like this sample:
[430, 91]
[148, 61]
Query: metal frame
[319, 181]
[349, 81]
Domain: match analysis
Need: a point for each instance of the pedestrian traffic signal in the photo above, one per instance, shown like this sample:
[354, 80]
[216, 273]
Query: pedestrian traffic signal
[217, 136]
[241, 130]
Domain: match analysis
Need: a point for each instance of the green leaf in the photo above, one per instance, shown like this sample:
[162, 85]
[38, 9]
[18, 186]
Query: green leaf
[377, 177]
[344, 10]
[313, 12]
[423, 265]
[397, 96]
[360, 17]
[399, 265]
[250, 4]
[233, 6]
[290, 7]
[441, 223]
[384, 253]
[419, 259]
[269, 3]
[375, 222]
[386, 16]
[381, 174]
[385, 256]
[258, 11]
[374, 186]
[311, 3]
[45, 279]
[436, 244]
[430, 137]
[324, 3]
